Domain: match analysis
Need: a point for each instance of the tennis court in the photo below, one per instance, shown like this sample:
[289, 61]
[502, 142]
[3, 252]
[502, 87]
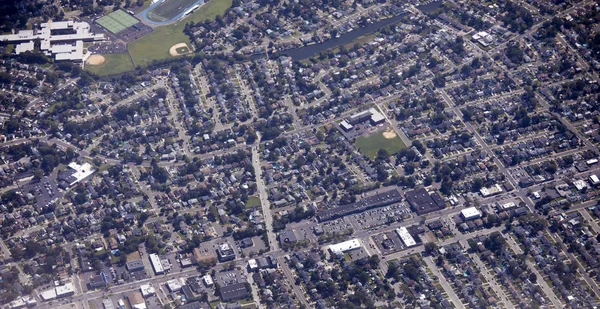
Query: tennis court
[117, 21]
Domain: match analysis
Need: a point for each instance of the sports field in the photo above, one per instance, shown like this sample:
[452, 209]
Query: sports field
[370, 145]
[117, 21]
[113, 64]
[169, 9]
[156, 45]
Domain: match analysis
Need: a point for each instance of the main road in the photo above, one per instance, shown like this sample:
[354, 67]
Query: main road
[264, 200]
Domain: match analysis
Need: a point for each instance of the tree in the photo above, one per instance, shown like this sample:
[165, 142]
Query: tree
[382, 154]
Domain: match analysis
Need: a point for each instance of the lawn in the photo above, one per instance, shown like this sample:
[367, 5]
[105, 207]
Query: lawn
[253, 201]
[156, 45]
[370, 145]
[114, 64]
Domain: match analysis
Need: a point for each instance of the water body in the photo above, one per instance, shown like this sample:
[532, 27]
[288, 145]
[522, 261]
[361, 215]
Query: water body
[308, 51]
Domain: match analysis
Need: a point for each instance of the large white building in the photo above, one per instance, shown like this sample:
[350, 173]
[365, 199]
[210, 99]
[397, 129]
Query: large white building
[345, 246]
[495, 189]
[470, 213]
[156, 264]
[67, 46]
[407, 239]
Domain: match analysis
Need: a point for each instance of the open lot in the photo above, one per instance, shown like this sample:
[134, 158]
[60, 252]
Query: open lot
[155, 46]
[113, 64]
[253, 201]
[370, 145]
[168, 9]
[117, 21]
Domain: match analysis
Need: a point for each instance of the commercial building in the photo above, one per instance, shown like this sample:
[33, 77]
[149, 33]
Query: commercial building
[77, 173]
[470, 213]
[594, 180]
[234, 292]
[136, 300]
[225, 252]
[493, 190]
[342, 247]
[252, 265]
[156, 264]
[378, 200]
[175, 285]
[579, 184]
[68, 45]
[134, 262]
[97, 282]
[405, 236]
[287, 237]
[423, 202]
[57, 292]
[65, 290]
[108, 304]
[505, 206]
[147, 290]
[208, 281]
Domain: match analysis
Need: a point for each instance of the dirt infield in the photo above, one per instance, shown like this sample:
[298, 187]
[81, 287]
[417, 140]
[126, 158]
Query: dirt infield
[96, 60]
[173, 50]
[389, 134]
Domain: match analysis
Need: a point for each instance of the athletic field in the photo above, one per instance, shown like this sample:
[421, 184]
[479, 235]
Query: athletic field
[169, 9]
[117, 21]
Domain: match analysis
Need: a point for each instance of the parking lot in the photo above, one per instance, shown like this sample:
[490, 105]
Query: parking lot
[382, 216]
[338, 226]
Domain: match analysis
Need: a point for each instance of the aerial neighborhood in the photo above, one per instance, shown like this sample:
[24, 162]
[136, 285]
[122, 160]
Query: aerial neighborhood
[190, 154]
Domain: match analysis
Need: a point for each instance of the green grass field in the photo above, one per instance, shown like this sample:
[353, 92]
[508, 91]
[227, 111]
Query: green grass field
[114, 64]
[253, 201]
[156, 45]
[370, 145]
[169, 9]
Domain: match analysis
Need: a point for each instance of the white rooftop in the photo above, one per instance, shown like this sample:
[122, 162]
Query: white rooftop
[407, 239]
[81, 171]
[345, 246]
[470, 213]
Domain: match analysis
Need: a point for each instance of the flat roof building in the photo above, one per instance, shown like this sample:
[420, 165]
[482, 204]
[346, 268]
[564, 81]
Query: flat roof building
[234, 292]
[594, 179]
[405, 236]
[156, 264]
[64, 46]
[225, 252]
[208, 280]
[423, 202]
[136, 300]
[147, 290]
[345, 246]
[346, 126]
[252, 265]
[470, 213]
[495, 189]
[108, 304]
